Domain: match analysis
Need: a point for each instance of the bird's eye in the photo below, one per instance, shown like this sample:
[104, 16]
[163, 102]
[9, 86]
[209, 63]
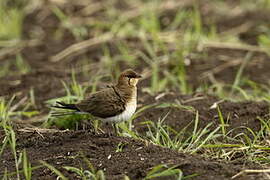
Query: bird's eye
[130, 76]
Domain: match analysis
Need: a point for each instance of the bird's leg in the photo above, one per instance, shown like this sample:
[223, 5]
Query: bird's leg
[108, 129]
[95, 124]
[115, 128]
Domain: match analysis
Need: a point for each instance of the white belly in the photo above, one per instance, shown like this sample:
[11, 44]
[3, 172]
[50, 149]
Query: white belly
[125, 115]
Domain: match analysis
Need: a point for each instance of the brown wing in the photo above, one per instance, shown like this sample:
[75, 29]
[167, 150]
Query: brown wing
[103, 104]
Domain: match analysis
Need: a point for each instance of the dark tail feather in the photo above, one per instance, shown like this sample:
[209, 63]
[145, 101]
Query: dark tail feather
[66, 106]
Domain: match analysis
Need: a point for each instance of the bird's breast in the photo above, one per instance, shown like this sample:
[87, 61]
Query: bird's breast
[130, 109]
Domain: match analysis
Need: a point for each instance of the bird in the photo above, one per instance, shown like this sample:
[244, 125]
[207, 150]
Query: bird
[114, 104]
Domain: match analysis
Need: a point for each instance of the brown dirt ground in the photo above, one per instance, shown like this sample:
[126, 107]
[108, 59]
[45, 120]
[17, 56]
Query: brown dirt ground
[137, 157]
[135, 160]
[236, 114]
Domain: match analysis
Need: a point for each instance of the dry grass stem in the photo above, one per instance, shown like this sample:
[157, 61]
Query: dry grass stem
[251, 171]
[81, 47]
[232, 46]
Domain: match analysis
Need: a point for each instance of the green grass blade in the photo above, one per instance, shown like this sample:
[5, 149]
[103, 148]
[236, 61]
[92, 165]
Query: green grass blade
[223, 129]
[53, 169]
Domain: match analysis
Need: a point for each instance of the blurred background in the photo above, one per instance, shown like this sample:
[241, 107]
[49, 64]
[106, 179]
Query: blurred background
[64, 49]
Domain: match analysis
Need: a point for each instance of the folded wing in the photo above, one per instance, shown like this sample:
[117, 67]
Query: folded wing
[103, 104]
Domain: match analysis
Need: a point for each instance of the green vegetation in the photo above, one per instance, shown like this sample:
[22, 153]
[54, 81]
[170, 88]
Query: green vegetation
[159, 171]
[10, 22]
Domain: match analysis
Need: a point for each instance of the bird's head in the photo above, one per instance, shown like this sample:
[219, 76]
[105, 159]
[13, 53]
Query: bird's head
[129, 78]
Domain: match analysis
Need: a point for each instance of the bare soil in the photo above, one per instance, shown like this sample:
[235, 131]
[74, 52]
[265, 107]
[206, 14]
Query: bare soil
[135, 160]
[238, 115]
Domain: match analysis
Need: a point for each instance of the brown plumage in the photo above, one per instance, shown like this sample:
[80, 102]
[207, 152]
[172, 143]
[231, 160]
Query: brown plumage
[114, 104]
